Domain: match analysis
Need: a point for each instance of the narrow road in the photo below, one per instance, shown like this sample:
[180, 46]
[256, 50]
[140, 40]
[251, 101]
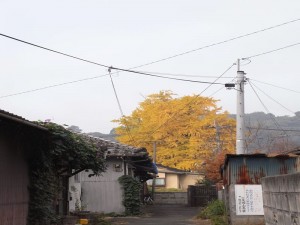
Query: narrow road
[163, 215]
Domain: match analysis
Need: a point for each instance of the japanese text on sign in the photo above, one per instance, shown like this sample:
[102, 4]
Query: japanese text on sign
[249, 200]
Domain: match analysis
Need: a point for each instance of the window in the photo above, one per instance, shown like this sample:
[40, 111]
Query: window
[160, 182]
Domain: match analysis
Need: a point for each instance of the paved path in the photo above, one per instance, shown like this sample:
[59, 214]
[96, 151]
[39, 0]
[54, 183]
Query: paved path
[163, 215]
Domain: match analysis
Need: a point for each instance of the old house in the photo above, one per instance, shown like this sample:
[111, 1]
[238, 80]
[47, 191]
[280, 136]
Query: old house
[104, 193]
[18, 138]
[169, 177]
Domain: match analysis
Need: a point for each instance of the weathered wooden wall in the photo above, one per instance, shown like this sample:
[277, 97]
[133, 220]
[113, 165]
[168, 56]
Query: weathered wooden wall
[14, 196]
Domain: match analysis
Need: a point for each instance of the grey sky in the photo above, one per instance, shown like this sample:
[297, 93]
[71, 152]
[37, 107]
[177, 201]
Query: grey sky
[130, 33]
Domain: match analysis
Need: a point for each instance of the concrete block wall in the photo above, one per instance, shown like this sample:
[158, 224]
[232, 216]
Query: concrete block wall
[170, 198]
[281, 197]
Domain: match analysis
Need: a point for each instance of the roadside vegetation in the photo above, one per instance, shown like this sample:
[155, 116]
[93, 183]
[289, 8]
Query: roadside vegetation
[216, 212]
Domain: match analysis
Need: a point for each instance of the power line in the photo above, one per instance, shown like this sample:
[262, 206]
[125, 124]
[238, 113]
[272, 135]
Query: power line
[190, 102]
[219, 43]
[265, 107]
[120, 107]
[182, 75]
[95, 77]
[52, 86]
[146, 64]
[273, 129]
[156, 61]
[159, 76]
[54, 51]
[273, 85]
[273, 99]
[271, 51]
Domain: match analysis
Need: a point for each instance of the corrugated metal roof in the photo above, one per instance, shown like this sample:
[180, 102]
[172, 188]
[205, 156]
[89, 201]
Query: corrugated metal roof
[249, 169]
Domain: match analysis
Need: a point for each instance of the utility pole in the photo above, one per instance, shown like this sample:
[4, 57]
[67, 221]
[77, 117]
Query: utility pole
[218, 139]
[154, 161]
[240, 111]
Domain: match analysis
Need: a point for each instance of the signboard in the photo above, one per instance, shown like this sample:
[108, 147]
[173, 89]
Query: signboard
[249, 200]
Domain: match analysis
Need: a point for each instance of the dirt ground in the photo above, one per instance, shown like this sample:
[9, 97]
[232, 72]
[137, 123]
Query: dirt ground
[164, 215]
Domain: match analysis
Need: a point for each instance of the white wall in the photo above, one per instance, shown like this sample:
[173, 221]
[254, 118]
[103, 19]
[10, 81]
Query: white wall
[103, 193]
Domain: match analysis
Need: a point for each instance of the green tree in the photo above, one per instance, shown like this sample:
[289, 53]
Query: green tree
[184, 128]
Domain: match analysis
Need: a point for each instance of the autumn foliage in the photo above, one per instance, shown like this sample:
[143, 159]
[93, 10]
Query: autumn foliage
[188, 130]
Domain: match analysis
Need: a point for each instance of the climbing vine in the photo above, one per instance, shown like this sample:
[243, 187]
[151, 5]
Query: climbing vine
[131, 197]
[59, 153]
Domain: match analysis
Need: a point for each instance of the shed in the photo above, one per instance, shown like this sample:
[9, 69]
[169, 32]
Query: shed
[18, 137]
[242, 176]
[104, 193]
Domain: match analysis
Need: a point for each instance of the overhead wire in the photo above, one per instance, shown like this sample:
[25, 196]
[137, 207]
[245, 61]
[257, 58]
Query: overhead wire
[273, 85]
[142, 65]
[271, 51]
[190, 102]
[52, 86]
[156, 61]
[220, 42]
[120, 108]
[267, 110]
[95, 77]
[273, 99]
[159, 76]
[182, 75]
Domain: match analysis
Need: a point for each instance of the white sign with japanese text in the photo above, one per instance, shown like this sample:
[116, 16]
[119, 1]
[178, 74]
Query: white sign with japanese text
[249, 200]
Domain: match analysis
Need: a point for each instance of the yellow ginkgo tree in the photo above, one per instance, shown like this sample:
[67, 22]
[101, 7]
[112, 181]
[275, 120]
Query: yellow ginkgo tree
[187, 129]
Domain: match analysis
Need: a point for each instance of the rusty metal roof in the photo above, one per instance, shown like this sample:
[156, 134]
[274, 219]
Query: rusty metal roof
[249, 169]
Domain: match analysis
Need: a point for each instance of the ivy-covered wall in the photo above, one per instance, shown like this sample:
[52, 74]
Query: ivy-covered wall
[50, 166]
[131, 197]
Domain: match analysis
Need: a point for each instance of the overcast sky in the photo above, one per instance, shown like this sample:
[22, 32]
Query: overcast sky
[128, 33]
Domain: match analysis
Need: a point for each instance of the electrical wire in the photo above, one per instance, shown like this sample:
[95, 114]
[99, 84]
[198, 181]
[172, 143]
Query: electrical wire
[158, 76]
[156, 61]
[273, 129]
[142, 65]
[273, 85]
[182, 75]
[95, 77]
[52, 86]
[265, 107]
[271, 51]
[120, 107]
[273, 99]
[219, 43]
[190, 102]
[54, 51]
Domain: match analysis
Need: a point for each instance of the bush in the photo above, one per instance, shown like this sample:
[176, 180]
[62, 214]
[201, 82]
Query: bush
[216, 212]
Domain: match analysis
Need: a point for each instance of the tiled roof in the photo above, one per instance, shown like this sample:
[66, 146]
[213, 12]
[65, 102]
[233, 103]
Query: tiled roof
[117, 149]
[19, 119]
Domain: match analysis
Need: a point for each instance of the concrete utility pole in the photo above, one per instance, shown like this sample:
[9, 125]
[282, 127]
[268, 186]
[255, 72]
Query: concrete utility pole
[240, 111]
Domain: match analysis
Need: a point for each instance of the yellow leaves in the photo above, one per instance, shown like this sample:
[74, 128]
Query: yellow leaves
[186, 129]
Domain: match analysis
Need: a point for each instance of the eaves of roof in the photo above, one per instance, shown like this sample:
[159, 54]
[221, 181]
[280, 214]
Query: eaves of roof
[19, 119]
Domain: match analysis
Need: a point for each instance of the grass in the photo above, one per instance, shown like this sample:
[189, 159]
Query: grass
[216, 212]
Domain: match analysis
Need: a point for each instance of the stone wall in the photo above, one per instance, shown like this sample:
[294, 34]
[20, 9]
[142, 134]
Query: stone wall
[282, 199]
[170, 198]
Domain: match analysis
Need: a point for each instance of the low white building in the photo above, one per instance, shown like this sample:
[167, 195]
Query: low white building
[104, 193]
